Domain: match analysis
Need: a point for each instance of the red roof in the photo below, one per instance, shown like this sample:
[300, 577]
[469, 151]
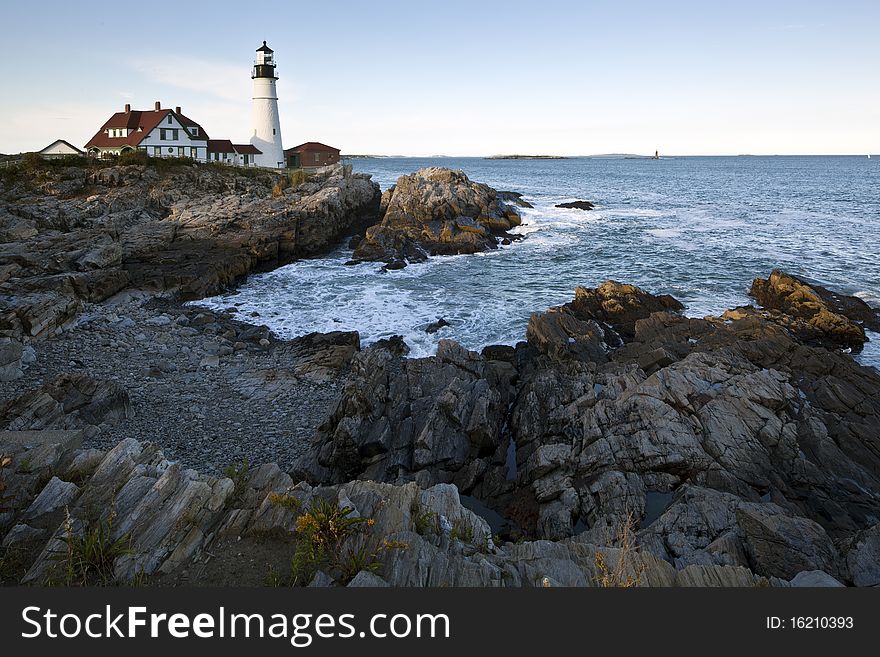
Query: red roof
[226, 146]
[187, 122]
[312, 146]
[220, 146]
[146, 120]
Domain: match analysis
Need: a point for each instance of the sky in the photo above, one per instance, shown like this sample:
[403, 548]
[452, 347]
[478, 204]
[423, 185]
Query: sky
[459, 78]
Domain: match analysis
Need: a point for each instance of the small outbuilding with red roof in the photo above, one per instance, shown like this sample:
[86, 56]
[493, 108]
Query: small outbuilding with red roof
[311, 155]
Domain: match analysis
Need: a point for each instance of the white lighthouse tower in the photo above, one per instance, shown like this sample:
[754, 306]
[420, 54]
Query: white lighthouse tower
[267, 125]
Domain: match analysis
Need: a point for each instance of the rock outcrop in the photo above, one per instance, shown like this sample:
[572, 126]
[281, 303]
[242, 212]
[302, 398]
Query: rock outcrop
[436, 211]
[728, 441]
[178, 527]
[577, 205]
[75, 235]
[812, 313]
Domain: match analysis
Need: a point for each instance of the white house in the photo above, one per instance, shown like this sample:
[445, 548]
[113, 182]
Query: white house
[223, 150]
[159, 132]
[59, 148]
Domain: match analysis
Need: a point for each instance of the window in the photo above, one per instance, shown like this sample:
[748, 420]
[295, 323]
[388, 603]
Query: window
[162, 134]
[195, 131]
[169, 119]
[170, 150]
[157, 151]
[273, 131]
[174, 134]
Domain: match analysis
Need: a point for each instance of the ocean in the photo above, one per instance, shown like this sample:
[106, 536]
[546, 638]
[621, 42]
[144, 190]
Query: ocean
[699, 228]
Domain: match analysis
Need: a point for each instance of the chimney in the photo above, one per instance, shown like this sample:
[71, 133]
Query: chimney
[177, 110]
[158, 105]
[127, 108]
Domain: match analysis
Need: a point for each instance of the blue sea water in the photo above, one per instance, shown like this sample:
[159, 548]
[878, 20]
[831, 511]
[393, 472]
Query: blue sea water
[699, 228]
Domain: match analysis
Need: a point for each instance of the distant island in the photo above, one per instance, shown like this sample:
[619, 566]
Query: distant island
[526, 157]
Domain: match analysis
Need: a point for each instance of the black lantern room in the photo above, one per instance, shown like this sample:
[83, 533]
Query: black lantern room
[264, 64]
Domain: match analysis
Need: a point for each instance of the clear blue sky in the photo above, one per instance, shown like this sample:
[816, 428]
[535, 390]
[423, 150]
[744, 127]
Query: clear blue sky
[460, 78]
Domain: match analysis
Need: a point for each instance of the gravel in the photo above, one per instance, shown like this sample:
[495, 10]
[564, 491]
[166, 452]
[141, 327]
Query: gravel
[211, 391]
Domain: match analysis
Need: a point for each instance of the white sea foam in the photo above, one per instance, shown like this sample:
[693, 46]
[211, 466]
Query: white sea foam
[703, 238]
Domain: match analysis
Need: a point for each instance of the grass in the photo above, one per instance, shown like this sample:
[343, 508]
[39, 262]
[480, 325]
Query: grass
[5, 499]
[238, 473]
[463, 533]
[330, 539]
[625, 573]
[90, 555]
[424, 520]
[294, 179]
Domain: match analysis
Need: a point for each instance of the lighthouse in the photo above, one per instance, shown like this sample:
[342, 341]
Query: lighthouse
[266, 122]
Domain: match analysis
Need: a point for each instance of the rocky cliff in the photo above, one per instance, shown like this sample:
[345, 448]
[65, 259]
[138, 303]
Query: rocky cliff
[729, 441]
[81, 234]
[620, 444]
[436, 211]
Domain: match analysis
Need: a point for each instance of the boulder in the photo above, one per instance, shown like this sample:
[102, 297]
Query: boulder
[813, 314]
[69, 401]
[436, 211]
[576, 205]
[863, 558]
[11, 352]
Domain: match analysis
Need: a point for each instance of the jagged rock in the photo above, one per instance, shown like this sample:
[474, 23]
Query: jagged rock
[813, 314]
[559, 334]
[56, 495]
[320, 356]
[67, 402]
[436, 211]
[813, 579]
[576, 205]
[782, 546]
[396, 418]
[514, 197]
[433, 327]
[863, 558]
[11, 352]
[619, 306]
[367, 579]
[189, 230]
[321, 579]
[21, 533]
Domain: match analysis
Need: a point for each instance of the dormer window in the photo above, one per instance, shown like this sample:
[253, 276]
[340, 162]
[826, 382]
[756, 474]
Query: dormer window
[195, 131]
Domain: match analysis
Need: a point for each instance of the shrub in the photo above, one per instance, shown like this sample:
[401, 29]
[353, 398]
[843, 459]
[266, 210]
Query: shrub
[127, 158]
[625, 573]
[424, 520]
[32, 162]
[91, 554]
[279, 187]
[297, 177]
[238, 473]
[329, 538]
[463, 533]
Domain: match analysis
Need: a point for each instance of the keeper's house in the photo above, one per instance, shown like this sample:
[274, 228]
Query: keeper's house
[311, 155]
[159, 132]
[223, 150]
